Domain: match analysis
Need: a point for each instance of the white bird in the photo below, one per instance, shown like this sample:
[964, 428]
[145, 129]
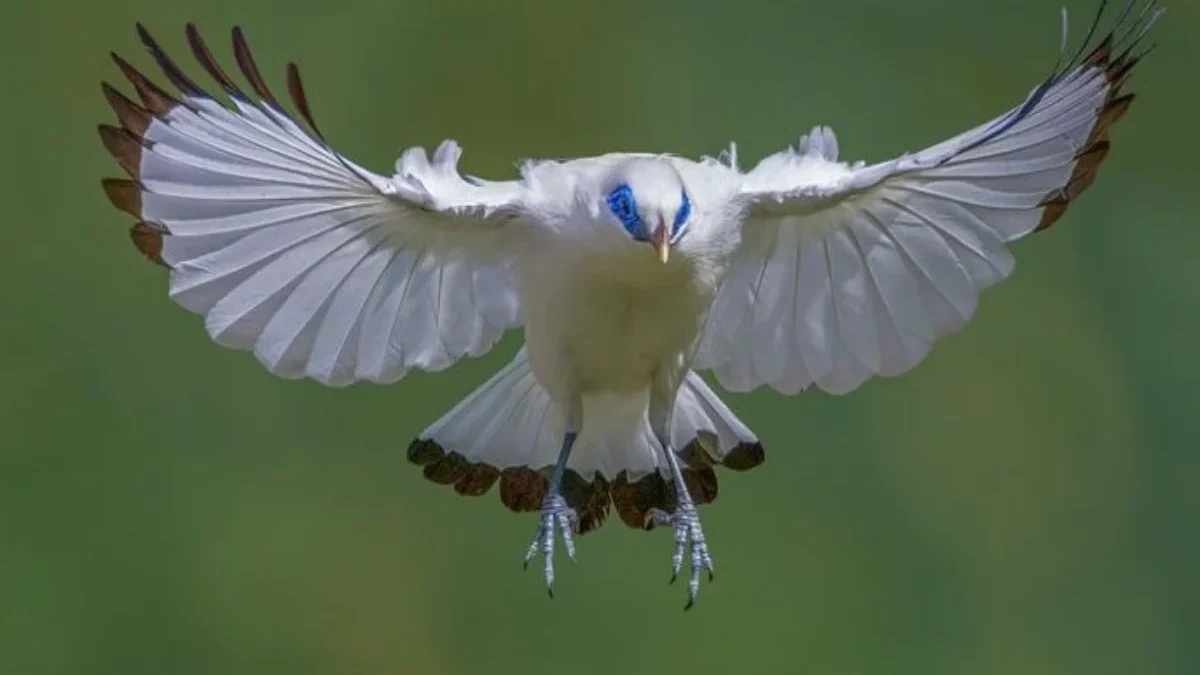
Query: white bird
[628, 272]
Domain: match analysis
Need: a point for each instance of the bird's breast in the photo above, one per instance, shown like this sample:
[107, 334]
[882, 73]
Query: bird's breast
[606, 325]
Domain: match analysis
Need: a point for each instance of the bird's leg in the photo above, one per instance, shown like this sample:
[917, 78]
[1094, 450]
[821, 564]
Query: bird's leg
[686, 523]
[555, 515]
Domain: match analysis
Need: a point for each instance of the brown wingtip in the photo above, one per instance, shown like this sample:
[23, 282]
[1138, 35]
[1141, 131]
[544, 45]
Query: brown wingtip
[132, 116]
[1118, 73]
[1102, 53]
[1112, 113]
[125, 195]
[149, 240]
[124, 147]
[204, 55]
[245, 61]
[296, 90]
[172, 71]
[1096, 148]
[153, 97]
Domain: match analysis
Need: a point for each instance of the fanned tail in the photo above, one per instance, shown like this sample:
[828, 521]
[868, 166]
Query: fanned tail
[508, 431]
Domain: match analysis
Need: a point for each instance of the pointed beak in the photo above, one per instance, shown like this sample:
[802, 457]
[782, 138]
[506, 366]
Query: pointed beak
[661, 241]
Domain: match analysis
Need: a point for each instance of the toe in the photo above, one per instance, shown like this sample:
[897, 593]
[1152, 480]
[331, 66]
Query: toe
[568, 540]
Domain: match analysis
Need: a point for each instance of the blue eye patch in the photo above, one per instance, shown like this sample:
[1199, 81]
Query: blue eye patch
[685, 210]
[623, 206]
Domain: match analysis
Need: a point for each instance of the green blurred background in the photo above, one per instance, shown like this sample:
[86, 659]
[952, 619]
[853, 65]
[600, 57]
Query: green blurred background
[1024, 502]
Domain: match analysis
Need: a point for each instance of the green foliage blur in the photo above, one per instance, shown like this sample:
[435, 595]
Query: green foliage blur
[1025, 502]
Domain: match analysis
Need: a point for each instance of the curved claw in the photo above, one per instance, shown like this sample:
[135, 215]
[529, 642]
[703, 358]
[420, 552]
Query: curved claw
[566, 524]
[687, 534]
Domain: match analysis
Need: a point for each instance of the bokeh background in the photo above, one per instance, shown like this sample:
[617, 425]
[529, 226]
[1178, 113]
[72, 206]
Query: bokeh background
[1025, 502]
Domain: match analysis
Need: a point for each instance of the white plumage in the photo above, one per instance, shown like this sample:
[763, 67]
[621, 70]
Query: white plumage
[804, 270]
[530, 433]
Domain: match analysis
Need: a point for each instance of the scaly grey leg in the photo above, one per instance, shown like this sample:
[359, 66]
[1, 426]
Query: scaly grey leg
[555, 514]
[686, 521]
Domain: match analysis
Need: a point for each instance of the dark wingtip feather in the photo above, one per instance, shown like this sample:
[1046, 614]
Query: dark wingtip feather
[1120, 68]
[154, 98]
[124, 194]
[1099, 56]
[1091, 33]
[296, 90]
[204, 55]
[168, 67]
[124, 147]
[132, 116]
[1102, 52]
[149, 240]
[245, 61]
[1115, 70]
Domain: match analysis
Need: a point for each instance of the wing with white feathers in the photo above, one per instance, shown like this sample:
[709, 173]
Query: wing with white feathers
[848, 271]
[322, 268]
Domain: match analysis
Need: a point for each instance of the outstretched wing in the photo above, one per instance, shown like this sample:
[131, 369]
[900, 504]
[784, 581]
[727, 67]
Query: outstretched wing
[324, 269]
[848, 271]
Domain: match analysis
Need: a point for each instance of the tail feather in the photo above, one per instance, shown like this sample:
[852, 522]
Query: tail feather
[702, 417]
[508, 430]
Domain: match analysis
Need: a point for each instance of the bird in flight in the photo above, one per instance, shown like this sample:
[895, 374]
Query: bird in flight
[629, 272]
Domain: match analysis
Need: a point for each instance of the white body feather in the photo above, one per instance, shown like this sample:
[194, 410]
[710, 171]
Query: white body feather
[608, 327]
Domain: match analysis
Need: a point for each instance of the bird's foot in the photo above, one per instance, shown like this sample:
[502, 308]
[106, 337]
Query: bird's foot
[688, 533]
[556, 515]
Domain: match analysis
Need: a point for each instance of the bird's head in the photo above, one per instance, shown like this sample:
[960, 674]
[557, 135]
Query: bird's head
[646, 198]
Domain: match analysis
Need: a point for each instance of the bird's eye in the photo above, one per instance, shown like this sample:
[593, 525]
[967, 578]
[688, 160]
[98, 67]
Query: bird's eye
[681, 216]
[621, 203]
